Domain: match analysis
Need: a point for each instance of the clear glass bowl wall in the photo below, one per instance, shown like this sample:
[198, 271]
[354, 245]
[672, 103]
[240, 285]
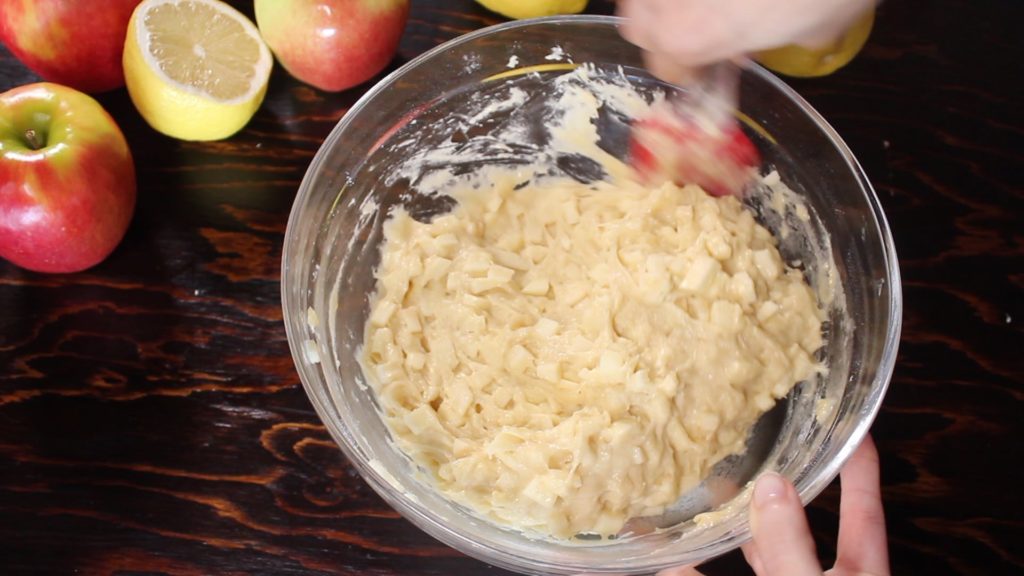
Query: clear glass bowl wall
[331, 248]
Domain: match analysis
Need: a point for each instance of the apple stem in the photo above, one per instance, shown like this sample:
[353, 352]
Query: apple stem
[33, 140]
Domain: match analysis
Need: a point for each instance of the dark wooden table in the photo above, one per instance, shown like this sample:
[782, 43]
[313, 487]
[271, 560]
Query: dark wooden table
[151, 420]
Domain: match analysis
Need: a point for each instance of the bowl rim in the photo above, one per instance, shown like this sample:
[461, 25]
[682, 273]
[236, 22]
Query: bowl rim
[417, 513]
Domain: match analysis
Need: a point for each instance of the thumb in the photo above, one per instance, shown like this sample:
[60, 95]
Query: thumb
[666, 68]
[781, 537]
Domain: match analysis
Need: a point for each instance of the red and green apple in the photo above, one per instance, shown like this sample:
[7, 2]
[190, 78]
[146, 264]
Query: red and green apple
[67, 180]
[77, 43]
[332, 44]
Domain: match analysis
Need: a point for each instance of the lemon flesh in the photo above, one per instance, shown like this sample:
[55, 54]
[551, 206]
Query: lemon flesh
[801, 62]
[520, 9]
[195, 69]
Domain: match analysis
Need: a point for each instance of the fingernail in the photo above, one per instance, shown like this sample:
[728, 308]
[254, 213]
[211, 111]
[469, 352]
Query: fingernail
[769, 488]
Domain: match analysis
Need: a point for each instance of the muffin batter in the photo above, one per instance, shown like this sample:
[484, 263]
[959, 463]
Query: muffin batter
[562, 357]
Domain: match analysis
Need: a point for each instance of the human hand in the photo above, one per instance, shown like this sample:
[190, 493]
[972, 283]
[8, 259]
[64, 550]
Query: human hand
[782, 544]
[681, 36]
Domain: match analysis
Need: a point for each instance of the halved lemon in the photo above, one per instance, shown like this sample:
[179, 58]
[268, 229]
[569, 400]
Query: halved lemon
[802, 62]
[195, 69]
[520, 9]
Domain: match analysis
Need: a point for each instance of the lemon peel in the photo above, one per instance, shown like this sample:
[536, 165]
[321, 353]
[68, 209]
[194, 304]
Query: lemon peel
[803, 62]
[520, 9]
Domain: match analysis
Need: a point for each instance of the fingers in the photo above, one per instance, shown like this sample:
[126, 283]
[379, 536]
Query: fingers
[862, 542]
[669, 69]
[640, 22]
[680, 571]
[753, 558]
[782, 539]
[699, 32]
[677, 34]
[629, 29]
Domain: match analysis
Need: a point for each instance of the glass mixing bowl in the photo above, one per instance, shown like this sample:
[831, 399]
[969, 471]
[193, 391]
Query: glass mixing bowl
[334, 234]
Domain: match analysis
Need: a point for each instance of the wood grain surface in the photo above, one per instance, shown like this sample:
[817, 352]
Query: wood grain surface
[152, 422]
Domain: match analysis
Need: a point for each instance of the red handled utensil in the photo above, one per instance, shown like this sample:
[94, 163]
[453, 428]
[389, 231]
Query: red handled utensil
[695, 138]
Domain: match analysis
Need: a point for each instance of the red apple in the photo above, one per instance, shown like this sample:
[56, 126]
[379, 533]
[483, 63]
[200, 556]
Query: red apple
[332, 44]
[77, 43]
[67, 182]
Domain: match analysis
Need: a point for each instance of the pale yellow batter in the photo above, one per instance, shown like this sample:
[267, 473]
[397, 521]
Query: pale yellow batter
[564, 357]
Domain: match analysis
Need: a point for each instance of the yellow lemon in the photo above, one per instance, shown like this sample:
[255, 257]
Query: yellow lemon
[195, 69]
[803, 62]
[520, 9]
